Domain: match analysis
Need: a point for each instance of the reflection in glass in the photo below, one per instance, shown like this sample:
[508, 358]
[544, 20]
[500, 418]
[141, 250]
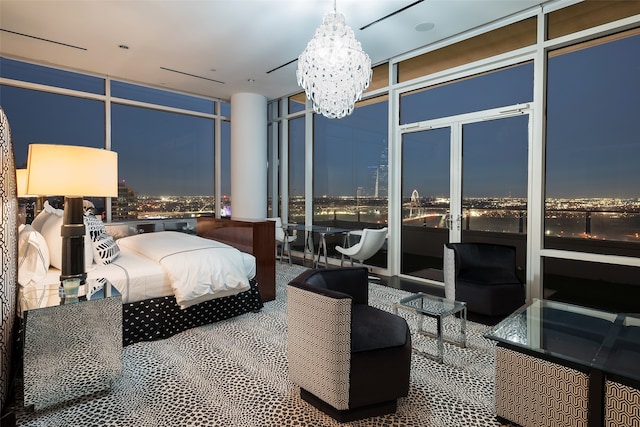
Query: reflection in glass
[297, 102]
[592, 284]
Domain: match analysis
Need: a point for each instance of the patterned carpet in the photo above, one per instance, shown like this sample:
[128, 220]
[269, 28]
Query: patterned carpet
[234, 373]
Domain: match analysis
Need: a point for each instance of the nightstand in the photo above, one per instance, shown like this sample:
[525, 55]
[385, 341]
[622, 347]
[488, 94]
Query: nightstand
[72, 350]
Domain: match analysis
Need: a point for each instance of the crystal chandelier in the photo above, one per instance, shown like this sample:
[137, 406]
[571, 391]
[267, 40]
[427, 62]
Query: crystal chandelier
[333, 69]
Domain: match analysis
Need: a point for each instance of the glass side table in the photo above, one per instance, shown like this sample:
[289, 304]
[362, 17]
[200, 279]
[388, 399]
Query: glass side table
[71, 350]
[438, 308]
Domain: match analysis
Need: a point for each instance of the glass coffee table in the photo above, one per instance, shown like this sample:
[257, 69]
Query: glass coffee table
[438, 308]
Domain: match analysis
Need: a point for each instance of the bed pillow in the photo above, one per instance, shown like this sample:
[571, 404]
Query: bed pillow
[51, 229]
[39, 220]
[118, 231]
[105, 248]
[33, 255]
[43, 216]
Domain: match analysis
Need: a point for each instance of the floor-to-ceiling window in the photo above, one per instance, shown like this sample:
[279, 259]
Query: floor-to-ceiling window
[296, 170]
[592, 174]
[350, 169]
[464, 165]
[491, 123]
[592, 179]
[166, 158]
[273, 162]
[225, 169]
[49, 117]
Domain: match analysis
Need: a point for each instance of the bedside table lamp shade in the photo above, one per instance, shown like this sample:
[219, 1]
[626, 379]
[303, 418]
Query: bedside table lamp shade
[74, 172]
[21, 182]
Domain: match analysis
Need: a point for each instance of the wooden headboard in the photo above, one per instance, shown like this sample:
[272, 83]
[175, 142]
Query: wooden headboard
[255, 237]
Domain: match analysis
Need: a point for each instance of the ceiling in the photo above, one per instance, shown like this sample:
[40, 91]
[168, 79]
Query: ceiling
[220, 47]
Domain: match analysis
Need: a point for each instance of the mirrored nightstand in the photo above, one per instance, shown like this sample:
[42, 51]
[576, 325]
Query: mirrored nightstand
[74, 349]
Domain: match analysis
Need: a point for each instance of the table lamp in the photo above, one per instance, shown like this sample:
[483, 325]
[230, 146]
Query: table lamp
[73, 172]
[21, 182]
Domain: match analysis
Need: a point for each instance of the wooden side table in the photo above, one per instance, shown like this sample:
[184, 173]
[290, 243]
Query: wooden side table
[72, 350]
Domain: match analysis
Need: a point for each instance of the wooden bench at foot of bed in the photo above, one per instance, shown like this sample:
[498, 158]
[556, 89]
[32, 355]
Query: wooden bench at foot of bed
[255, 237]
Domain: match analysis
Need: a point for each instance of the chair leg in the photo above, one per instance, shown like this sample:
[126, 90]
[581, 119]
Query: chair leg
[289, 252]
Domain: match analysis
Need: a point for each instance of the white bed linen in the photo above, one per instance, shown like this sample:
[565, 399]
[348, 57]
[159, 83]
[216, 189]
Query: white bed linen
[134, 276]
[43, 293]
[198, 269]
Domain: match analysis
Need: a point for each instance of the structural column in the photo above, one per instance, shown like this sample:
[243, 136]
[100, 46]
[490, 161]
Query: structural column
[248, 156]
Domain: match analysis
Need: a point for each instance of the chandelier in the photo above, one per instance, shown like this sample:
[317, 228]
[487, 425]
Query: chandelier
[333, 69]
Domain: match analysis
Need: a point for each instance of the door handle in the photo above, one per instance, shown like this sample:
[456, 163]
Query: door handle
[454, 223]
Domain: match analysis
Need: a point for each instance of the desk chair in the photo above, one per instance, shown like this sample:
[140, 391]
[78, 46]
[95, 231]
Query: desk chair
[369, 244]
[283, 239]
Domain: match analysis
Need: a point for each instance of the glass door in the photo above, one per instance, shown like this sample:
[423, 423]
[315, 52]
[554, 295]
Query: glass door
[494, 180]
[426, 186]
[464, 178]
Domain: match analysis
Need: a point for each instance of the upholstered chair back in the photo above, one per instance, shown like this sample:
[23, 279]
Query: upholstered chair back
[8, 254]
[351, 360]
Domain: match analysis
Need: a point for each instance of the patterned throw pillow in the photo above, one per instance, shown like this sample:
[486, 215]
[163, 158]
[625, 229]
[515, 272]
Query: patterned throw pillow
[105, 249]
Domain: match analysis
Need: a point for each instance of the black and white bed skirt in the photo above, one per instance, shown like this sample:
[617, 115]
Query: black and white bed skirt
[159, 318]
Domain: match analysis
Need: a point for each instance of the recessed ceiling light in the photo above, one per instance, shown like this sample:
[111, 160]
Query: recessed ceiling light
[425, 26]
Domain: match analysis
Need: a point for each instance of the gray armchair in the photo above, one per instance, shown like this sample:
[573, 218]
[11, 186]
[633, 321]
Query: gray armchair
[351, 361]
[484, 276]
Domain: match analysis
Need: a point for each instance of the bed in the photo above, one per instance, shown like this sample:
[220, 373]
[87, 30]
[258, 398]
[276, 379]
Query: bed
[169, 281]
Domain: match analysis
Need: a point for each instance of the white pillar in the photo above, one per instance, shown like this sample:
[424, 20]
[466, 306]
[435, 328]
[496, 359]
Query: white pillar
[248, 156]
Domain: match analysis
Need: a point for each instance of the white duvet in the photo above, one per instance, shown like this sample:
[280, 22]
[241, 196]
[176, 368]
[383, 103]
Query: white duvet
[199, 269]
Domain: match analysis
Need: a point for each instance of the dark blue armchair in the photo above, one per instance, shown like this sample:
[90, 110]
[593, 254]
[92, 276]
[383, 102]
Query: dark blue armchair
[484, 276]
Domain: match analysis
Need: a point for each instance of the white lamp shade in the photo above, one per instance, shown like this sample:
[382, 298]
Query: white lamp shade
[67, 170]
[21, 181]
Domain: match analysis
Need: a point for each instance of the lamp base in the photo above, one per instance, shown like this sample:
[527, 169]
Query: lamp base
[72, 232]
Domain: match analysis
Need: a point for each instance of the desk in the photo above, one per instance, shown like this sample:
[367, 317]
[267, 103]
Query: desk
[71, 350]
[560, 364]
[323, 231]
